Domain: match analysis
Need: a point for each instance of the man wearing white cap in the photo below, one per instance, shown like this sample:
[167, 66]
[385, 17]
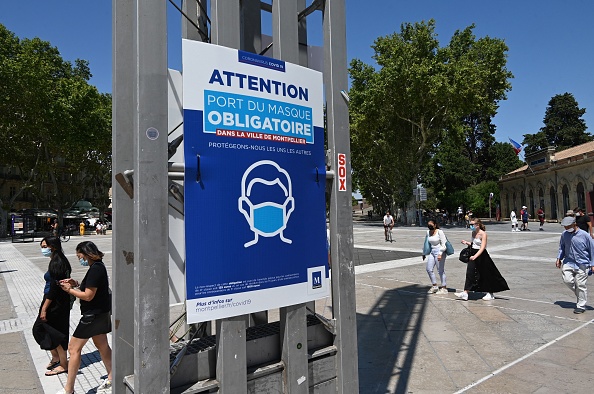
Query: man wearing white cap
[525, 216]
[576, 260]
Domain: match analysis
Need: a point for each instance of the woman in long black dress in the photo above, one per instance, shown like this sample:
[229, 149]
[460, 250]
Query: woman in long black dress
[53, 322]
[481, 273]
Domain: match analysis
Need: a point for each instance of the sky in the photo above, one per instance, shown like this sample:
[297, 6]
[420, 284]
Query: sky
[549, 42]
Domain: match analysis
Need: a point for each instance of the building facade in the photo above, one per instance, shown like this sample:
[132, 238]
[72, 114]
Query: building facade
[555, 181]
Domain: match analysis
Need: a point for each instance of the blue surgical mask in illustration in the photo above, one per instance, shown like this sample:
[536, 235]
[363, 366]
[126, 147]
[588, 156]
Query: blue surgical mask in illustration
[268, 218]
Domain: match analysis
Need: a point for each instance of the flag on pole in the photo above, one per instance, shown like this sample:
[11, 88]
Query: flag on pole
[517, 147]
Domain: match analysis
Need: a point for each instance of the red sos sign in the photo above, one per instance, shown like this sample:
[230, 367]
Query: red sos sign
[342, 172]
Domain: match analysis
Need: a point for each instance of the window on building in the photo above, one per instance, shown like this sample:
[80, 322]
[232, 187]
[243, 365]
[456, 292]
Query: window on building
[522, 198]
[507, 203]
[11, 191]
[514, 203]
[581, 196]
[541, 202]
[565, 199]
[531, 205]
[553, 197]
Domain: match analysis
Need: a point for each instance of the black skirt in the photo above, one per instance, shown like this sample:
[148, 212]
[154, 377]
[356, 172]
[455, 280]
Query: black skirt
[54, 331]
[91, 325]
[483, 275]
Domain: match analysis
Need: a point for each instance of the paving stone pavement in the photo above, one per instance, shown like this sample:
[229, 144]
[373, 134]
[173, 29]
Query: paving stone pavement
[22, 362]
[525, 341]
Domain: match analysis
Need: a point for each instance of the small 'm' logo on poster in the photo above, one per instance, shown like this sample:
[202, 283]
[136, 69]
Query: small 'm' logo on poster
[316, 279]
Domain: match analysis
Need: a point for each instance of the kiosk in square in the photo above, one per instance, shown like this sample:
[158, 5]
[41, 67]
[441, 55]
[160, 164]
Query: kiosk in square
[255, 213]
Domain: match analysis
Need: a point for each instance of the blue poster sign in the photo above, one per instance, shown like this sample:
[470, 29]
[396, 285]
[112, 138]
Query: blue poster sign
[254, 184]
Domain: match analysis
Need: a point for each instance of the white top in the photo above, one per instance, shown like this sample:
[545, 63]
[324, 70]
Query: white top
[437, 240]
[388, 220]
[513, 217]
[476, 243]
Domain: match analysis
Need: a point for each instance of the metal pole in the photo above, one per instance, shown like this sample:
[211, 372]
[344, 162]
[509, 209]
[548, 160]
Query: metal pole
[124, 77]
[231, 349]
[151, 288]
[341, 225]
[293, 327]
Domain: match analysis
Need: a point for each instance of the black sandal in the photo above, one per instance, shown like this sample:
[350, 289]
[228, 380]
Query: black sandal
[52, 365]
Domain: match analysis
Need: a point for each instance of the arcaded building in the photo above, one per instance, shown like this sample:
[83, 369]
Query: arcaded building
[555, 181]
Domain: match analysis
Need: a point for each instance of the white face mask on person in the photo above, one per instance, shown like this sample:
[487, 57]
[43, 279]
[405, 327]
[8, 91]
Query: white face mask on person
[47, 252]
[570, 230]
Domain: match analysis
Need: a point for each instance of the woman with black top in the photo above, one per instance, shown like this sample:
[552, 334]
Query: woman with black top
[95, 307]
[481, 272]
[51, 327]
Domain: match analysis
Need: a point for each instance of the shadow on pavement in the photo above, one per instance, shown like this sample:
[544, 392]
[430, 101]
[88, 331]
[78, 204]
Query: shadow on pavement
[387, 339]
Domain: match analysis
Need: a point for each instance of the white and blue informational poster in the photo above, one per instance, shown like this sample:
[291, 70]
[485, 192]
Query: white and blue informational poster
[255, 215]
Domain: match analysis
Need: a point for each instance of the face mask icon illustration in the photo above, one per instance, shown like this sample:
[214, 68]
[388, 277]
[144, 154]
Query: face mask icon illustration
[266, 200]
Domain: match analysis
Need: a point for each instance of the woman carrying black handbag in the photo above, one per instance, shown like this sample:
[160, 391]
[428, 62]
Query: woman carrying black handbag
[481, 272]
[50, 330]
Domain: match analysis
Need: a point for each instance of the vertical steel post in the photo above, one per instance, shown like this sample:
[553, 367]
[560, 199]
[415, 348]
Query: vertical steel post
[293, 329]
[231, 345]
[224, 15]
[251, 26]
[341, 225]
[189, 31]
[151, 292]
[124, 71]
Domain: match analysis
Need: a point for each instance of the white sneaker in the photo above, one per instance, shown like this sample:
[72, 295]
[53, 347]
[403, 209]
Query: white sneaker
[442, 290]
[489, 297]
[462, 295]
[433, 290]
[104, 387]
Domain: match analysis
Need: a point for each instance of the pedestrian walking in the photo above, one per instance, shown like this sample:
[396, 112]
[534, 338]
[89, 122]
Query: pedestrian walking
[541, 217]
[481, 273]
[434, 251]
[50, 330]
[388, 225]
[514, 220]
[95, 307]
[583, 221]
[576, 260]
[525, 216]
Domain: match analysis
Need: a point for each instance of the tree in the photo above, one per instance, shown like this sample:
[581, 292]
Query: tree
[420, 95]
[563, 126]
[55, 127]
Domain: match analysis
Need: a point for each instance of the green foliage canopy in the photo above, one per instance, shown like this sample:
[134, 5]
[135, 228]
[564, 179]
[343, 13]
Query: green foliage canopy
[563, 126]
[420, 95]
[55, 126]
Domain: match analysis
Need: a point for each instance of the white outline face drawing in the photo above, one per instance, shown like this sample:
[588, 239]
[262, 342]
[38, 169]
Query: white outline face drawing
[267, 219]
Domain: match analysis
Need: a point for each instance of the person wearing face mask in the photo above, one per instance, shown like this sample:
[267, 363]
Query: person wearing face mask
[434, 250]
[50, 330]
[95, 307]
[481, 273]
[576, 260]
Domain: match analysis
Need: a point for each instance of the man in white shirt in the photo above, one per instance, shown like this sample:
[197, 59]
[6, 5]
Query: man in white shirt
[388, 224]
